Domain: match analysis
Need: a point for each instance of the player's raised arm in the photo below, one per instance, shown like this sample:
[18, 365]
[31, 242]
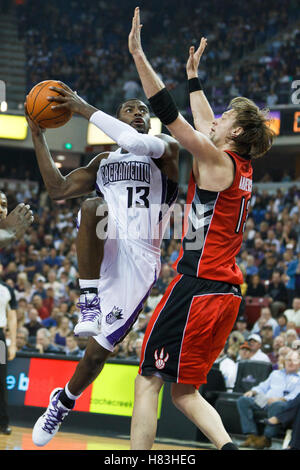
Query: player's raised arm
[78, 183]
[122, 133]
[164, 107]
[202, 113]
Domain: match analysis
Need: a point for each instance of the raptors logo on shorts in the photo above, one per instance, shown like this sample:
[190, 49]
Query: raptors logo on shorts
[161, 359]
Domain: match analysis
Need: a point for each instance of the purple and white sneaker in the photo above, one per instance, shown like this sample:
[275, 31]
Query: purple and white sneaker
[48, 424]
[89, 322]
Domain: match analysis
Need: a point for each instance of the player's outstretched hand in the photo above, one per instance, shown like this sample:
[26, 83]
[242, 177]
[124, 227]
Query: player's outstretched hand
[134, 38]
[194, 59]
[18, 220]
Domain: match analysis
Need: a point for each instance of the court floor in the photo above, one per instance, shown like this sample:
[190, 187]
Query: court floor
[20, 439]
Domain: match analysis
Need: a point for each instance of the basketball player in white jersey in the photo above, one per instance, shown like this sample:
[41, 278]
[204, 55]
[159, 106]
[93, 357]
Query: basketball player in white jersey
[139, 185]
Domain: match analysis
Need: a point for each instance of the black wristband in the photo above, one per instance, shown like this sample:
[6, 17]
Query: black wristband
[164, 106]
[194, 84]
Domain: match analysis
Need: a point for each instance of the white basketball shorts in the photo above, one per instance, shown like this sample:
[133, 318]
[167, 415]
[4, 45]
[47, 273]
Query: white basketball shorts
[128, 272]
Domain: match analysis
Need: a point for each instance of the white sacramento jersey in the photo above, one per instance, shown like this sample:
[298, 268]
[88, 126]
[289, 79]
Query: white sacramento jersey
[139, 197]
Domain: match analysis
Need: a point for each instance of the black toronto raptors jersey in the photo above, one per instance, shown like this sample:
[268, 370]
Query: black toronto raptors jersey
[214, 225]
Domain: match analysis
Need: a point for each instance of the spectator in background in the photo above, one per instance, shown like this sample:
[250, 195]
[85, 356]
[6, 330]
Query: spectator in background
[21, 317]
[56, 285]
[267, 266]
[278, 343]
[265, 318]
[22, 341]
[38, 286]
[251, 268]
[293, 314]
[72, 348]
[282, 353]
[49, 301]
[68, 268]
[291, 270]
[296, 345]
[281, 324]
[289, 418]
[245, 352]
[258, 251]
[132, 89]
[255, 343]
[235, 339]
[266, 334]
[11, 272]
[44, 344]
[255, 287]
[228, 367]
[291, 336]
[61, 331]
[33, 265]
[37, 302]
[241, 327]
[272, 240]
[53, 260]
[34, 324]
[277, 293]
[271, 395]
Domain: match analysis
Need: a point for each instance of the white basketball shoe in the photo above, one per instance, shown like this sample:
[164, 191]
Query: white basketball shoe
[48, 424]
[89, 322]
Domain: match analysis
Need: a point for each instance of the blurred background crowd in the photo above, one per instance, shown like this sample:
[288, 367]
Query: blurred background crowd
[253, 48]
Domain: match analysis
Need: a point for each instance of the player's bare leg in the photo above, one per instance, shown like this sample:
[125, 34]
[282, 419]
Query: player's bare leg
[63, 400]
[88, 368]
[144, 416]
[90, 250]
[189, 401]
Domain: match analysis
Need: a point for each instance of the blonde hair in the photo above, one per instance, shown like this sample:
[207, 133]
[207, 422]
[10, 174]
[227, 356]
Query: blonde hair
[257, 137]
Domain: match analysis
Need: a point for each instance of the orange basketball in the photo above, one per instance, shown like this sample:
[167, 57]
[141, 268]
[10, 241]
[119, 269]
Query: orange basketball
[39, 108]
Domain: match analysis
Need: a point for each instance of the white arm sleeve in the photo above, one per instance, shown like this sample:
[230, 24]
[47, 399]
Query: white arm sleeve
[127, 137]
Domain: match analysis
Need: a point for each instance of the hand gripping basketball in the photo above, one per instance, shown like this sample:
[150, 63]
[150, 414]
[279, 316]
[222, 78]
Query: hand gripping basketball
[66, 99]
[39, 109]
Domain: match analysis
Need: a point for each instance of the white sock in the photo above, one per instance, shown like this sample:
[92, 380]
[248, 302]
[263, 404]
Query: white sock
[86, 283]
[69, 394]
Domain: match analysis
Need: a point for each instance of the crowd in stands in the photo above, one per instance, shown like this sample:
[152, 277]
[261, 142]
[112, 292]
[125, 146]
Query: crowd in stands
[85, 44]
